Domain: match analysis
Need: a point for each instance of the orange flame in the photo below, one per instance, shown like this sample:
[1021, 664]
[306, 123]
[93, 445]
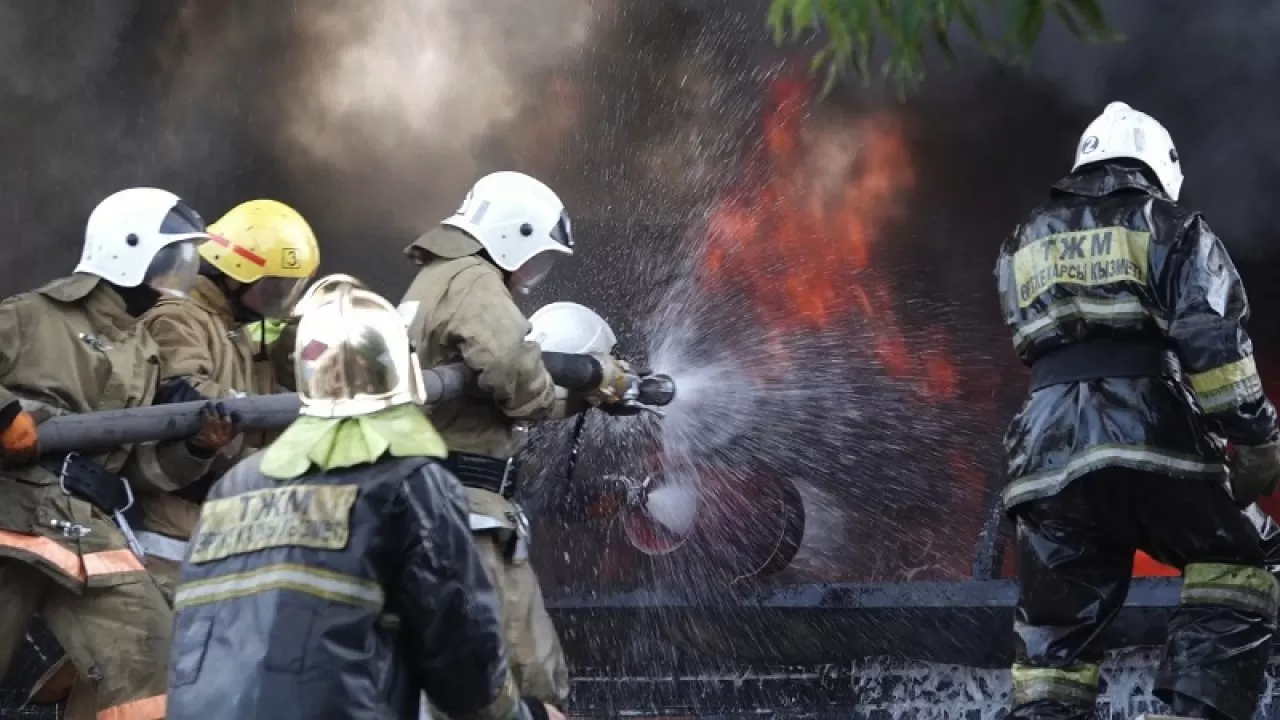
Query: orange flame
[799, 235]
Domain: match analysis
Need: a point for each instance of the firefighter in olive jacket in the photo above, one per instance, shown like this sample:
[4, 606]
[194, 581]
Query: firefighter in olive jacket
[505, 237]
[333, 574]
[1116, 296]
[75, 346]
[255, 265]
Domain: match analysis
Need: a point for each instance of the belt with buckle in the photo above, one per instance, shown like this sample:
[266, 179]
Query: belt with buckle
[497, 475]
[82, 477]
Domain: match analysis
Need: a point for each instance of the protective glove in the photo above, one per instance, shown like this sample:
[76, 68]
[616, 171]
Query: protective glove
[1255, 472]
[218, 428]
[19, 442]
[617, 379]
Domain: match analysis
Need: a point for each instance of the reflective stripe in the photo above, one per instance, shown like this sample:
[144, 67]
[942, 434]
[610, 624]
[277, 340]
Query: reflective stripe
[484, 522]
[66, 561]
[152, 708]
[1078, 308]
[238, 249]
[1047, 483]
[111, 562]
[1073, 686]
[1245, 588]
[1227, 386]
[78, 567]
[162, 546]
[298, 578]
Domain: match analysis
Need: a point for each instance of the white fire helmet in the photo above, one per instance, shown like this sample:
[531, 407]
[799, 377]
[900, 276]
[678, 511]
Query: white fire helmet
[144, 236]
[567, 327]
[520, 222]
[352, 354]
[1122, 132]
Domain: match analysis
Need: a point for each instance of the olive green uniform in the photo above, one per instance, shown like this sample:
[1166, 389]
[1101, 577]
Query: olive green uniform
[71, 347]
[200, 342]
[466, 313]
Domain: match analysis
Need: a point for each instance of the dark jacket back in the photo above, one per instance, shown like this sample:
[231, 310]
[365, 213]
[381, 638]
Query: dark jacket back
[1110, 257]
[337, 595]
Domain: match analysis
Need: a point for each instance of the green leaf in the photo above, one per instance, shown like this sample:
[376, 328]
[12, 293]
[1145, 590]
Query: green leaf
[1064, 14]
[777, 20]
[910, 20]
[970, 21]
[944, 41]
[1091, 12]
[1029, 16]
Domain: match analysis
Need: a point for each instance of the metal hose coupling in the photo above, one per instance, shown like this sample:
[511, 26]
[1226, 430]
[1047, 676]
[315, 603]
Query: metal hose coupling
[657, 390]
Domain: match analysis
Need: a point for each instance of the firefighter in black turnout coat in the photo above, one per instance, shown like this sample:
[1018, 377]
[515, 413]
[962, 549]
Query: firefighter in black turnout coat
[1130, 314]
[333, 575]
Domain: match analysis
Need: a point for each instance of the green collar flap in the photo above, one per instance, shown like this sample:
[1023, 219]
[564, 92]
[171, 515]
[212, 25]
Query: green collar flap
[335, 443]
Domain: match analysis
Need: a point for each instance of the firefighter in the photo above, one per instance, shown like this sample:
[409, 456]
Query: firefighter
[334, 571]
[1114, 292]
[258, 259]
[74, 346]
[504, 239]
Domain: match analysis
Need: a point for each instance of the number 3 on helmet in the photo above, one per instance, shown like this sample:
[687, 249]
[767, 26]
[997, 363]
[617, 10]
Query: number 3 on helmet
[269, 246]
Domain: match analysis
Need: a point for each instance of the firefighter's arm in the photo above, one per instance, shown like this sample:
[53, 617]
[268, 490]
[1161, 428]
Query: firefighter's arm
[167, 466]
[489, 331]
[1208, 309]
[448, 606]
[185, 350]
[19, 442]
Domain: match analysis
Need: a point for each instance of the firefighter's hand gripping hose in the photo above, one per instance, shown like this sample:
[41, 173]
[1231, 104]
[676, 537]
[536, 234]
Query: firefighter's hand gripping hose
[1255, 472]
[218, 427]
[611, 384]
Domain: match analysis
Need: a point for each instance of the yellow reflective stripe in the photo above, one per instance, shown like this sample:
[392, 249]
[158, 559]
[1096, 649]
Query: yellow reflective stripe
[1076, 685]
[1049, 482]
[1079, 308]
[1227, 386]
[1248, 588]
[319, 583]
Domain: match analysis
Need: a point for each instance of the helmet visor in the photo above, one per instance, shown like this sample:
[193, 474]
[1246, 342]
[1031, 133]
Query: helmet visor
[173, 270]
[274, 297]
[182, 220]
[527, 276]
[562, 233]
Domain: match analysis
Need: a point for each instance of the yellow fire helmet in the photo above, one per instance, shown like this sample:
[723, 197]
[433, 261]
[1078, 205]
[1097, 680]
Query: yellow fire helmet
[270, 247]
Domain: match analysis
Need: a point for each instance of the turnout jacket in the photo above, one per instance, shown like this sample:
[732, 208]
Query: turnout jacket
[337, 594]
[72, 347]
[466, 313]
[201, 343]
[1110, 259]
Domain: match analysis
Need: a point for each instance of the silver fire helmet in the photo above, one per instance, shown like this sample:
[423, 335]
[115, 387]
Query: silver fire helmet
[352, 355]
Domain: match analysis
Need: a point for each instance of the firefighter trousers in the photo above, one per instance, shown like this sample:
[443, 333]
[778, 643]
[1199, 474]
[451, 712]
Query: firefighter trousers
[117, 637]
[533, 648]
[1075, 558]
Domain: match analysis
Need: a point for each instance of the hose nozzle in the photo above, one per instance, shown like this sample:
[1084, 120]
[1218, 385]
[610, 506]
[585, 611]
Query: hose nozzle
[657, 390]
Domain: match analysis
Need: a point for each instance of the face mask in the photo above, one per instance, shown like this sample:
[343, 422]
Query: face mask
[273, 297]
[174, 269]
[527, 276]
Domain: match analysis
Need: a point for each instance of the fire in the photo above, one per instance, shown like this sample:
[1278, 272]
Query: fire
[799, 234]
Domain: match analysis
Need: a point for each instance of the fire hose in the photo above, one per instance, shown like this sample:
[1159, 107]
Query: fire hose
[105, 429]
